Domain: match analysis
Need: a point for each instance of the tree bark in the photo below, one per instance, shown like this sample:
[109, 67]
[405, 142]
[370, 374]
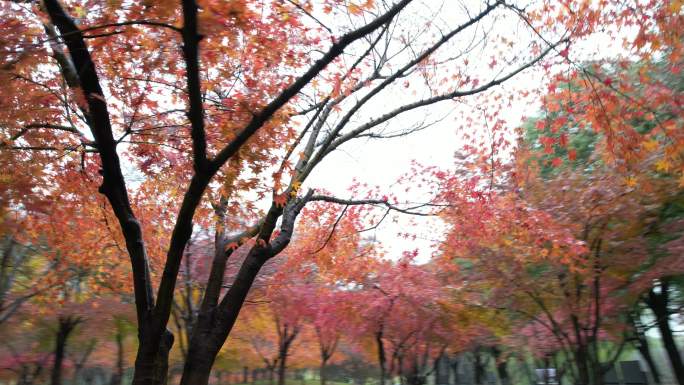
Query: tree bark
[152, 362]
[65, 326]
[287, 336]
[322, 372]
[501, 366]
[381, 356]
[117, 375]
[658, 303]
[646, 354]
[642, 345]
[201, 355]
[479, 367]
[271, 375]
[453, 364]
[282, 367]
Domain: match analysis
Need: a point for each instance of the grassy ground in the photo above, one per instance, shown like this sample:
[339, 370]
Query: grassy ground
[314, 381]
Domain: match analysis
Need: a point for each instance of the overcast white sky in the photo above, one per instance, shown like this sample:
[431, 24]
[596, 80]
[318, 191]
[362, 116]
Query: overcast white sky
[382, 162]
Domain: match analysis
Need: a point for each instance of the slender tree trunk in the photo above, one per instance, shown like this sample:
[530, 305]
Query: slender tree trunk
[643, 347]
[27, 376]
[65, 326]
[646, 354]
[271, 375]
[324, 361]
[381, 356]
[282, 367]
[582, 368]
[658, 303]
[117, 375]
[501, 366]
[479, 367]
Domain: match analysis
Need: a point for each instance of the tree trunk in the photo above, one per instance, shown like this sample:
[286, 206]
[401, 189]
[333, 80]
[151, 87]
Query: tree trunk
[381, 356]
[658, 303]
[215, 321]
[282, 367]
[642, 345]
[501, 366]
[65, 326]
[479, 367]
[271, 375]
[453, 364]
[117, 375]
[322, 371]
[582, 368]
[646, 354]
[201, 355]
[152, 362]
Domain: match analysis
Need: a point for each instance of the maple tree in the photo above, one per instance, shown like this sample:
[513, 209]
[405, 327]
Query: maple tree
[183, 136]
[115, 83]
[564, 238]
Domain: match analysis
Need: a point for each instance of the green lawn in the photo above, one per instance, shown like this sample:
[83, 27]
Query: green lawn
[311, 381]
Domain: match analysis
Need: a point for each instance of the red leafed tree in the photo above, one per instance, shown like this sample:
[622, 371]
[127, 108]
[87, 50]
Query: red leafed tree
[564, 249]
[399, 308]
[328, 315]
[201, 114]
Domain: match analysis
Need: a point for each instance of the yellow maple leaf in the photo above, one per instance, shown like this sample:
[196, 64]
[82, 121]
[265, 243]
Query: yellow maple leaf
[663, 165]
[676, 5]
[295, 187]
[80, 12]
[651, 145]
[354, 9]
[631, 181]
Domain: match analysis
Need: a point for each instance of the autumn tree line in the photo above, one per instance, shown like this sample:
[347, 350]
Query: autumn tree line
[163, 215]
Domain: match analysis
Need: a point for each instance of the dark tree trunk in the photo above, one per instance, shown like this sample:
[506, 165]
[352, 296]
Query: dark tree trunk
[381, 356]
[200, 360]
[271, 375]
[215, 321]
[479, 367]
[643, 347]
[658, 303]
[454, 369]
[415, 377]
[65, 326]
[28, 375]
[152, 360]
[322, 371]
[501, 366]
[581, 354]
[78, 365]
[117, 374]
[282, 367]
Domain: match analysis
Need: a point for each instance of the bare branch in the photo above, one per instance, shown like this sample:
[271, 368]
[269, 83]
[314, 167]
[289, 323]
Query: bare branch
[377, 202]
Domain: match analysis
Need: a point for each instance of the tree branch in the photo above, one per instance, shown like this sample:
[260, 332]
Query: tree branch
[191, 39]
[336, 50]
[380, 202]
[113, 183]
